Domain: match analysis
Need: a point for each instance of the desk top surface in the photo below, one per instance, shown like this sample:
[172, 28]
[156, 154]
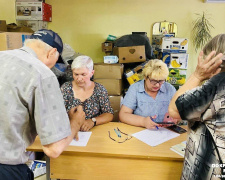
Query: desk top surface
[100, 144]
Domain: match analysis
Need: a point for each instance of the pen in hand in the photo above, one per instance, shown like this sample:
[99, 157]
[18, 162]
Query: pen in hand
[154, 121]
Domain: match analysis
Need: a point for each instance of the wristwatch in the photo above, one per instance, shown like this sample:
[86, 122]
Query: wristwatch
[94, 120]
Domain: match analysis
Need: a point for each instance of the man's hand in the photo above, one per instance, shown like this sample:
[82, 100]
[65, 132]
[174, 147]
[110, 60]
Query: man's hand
[87, 125]
[77, 118]
[209, 66]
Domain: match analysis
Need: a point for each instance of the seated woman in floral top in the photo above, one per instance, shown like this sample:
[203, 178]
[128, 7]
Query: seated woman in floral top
[91, 95]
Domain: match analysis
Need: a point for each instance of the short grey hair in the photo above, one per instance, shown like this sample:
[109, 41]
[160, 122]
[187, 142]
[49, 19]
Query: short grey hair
[82, 62]
[39, 42]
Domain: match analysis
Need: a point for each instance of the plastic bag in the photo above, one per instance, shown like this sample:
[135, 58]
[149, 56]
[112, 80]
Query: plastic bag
[68, 53]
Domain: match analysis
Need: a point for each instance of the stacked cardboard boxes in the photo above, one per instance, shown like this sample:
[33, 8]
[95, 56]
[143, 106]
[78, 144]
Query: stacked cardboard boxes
[33, 14]
[133, 58]
[176, 50]
[110, 76]
[174, 54]
[12, 40]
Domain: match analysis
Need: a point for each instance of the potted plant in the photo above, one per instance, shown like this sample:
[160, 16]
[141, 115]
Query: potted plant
[201, 32]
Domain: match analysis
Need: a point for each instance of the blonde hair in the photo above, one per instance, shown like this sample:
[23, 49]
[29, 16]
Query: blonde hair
[156, 69]
[82, 62]
[215, 44]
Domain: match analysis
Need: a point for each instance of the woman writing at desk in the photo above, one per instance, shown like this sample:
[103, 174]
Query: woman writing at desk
[148, 98]
[91, 95]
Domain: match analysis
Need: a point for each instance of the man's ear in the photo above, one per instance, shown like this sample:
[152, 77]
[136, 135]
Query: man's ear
[52, 52]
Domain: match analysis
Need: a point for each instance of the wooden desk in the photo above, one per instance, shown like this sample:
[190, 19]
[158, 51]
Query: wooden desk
[104, 158]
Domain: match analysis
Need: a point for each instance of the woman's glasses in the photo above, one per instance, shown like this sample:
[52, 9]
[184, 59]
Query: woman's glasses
[124, 137]
[154, 82]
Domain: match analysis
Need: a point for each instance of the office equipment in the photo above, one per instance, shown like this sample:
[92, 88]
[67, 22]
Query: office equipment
[164, 122]
[177, 129]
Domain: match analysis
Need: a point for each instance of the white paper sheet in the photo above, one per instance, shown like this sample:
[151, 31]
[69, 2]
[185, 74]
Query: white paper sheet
[83, 139]
[156, 136]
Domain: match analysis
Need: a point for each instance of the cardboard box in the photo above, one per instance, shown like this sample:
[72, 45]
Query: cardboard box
[107, 46]
[33, 11]
[166, 58]
[177, 76]
[30, 0]
[3, 26]
[135, 77]
[12, 40]
[179, 61]
[157, 41]
[13, 28]
[108, 71]
[34, 25]
[130, 54]
[115, 102]
[135, 74]
[176, 45]
[113, 86]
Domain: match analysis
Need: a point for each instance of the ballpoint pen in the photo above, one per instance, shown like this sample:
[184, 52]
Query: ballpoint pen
[118, 131]
[118, 134]
[154, 121]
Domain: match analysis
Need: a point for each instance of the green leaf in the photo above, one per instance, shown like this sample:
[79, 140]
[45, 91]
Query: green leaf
[201, 31]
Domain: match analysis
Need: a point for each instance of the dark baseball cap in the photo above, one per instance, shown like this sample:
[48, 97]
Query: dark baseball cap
[49, 37]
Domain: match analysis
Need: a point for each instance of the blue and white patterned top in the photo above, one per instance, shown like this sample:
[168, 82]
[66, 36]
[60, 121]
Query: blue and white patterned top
[144, 105]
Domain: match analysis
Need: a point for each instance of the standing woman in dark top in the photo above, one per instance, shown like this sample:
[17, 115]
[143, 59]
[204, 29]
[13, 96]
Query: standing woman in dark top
[203, 106]
[91, 95]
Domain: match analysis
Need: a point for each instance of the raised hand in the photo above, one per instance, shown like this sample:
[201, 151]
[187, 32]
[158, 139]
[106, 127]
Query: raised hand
[209, 66]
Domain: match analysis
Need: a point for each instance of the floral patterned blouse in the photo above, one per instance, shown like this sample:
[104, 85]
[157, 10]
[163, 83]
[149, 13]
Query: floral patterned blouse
[95, 105]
